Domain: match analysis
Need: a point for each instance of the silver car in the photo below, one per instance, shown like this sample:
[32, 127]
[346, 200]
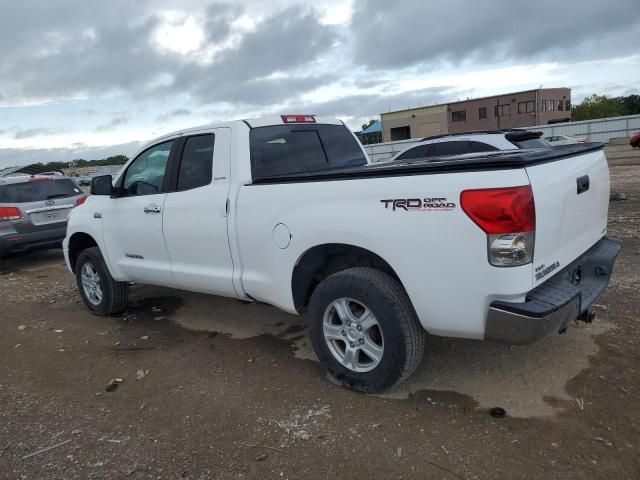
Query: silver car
[34, 210]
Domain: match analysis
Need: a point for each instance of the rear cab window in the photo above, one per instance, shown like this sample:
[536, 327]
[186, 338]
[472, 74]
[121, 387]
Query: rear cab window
[38, 190]
[299, 148]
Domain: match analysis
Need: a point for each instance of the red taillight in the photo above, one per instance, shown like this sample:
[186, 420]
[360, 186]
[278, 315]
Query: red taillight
[40, 179]
[80, 201]
[298, 118]
[9, 213]
[501, 210]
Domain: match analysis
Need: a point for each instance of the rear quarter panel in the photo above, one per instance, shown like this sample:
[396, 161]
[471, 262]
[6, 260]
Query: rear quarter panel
[440, 255]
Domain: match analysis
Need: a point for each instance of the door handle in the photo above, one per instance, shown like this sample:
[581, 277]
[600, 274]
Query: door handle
[151, 209]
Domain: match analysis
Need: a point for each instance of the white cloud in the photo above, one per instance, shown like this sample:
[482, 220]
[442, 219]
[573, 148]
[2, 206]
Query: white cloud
[338, 14]
[179, 33]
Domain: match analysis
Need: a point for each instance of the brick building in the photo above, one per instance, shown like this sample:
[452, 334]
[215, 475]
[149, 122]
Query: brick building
[510, 110]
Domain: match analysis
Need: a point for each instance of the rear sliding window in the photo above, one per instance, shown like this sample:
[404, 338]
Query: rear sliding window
[38, 190]
[291, 149]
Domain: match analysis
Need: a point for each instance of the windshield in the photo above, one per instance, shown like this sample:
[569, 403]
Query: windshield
[38, 190]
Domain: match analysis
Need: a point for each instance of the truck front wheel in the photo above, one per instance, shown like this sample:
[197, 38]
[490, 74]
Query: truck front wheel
[364, 330]
[101, 293]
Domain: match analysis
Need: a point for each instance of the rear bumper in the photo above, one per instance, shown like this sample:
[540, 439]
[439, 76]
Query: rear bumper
[550, 307]
[23, 242]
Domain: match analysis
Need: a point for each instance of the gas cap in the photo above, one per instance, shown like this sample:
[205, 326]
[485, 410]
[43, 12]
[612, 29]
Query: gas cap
[281, 235]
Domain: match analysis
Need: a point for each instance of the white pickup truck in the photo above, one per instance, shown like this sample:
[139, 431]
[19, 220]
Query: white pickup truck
[504, 246]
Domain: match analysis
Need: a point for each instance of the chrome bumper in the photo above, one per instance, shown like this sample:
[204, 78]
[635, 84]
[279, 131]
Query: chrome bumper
[550, 307]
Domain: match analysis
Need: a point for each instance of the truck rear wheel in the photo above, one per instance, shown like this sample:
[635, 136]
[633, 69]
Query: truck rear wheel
[364, 330]
[100, 292]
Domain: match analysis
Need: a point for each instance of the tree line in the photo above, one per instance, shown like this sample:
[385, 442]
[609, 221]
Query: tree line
[81, 162]
[602, 106]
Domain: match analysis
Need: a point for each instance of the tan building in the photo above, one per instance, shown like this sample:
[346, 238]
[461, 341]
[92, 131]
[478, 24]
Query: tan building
[511, 110]
[417, 122]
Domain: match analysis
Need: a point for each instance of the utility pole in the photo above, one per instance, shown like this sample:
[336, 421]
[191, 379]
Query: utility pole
[538, 102]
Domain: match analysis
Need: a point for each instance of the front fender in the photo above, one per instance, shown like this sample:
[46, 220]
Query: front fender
[87, 219]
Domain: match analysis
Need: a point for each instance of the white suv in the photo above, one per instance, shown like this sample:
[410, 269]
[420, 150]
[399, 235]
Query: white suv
[473, 142]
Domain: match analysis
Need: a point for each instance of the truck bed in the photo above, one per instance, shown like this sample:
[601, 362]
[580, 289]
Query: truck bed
[426, 245]
[500, 160]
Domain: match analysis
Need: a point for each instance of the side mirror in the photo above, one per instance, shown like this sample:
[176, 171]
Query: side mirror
[102, 185]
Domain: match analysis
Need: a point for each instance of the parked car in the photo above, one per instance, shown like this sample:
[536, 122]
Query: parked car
[34, 210]
[84, 181]
[473, 142]
[635, 140]
[289, 211]
[556, 140]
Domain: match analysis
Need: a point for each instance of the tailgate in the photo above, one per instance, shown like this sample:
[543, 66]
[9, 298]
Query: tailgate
[572, 201]
[45, 216]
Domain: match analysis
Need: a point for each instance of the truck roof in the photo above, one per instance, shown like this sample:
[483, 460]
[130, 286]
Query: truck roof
[265, 121]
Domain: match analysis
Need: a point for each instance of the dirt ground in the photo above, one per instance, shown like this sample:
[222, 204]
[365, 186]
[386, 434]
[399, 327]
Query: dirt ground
[216, 389]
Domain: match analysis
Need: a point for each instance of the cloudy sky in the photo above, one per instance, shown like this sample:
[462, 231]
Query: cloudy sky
[89, 79]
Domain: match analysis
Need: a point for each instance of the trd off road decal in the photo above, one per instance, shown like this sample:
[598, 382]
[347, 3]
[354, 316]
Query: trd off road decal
[439, 204]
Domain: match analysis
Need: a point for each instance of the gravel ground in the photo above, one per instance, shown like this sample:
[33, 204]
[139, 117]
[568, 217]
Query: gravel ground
[214, 389]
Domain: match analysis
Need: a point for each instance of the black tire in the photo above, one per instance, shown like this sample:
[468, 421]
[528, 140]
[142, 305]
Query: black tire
[404, 337]
[114, 294]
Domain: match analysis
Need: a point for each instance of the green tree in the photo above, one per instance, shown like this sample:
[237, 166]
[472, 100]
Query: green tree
[81, 162]
[630, 104]
[367, 125]
[598, 106]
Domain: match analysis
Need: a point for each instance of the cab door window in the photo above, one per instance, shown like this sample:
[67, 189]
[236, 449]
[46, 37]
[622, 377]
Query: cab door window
[145, 175]
[196, 165]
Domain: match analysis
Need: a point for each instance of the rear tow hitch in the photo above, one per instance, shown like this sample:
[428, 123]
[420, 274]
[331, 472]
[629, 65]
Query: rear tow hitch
[588, 315]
